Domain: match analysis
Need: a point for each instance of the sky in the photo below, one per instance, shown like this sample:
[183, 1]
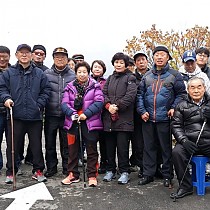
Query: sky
[98, 29]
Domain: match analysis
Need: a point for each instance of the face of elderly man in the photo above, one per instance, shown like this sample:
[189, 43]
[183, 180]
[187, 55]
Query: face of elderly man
[196, 89]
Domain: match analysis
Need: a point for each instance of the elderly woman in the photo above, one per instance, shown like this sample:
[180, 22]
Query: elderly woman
[98, 69]
[82, 101]
[119, 92]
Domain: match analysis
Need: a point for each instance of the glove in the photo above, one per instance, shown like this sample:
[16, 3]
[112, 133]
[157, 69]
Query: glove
[206, 112]
[190, 146]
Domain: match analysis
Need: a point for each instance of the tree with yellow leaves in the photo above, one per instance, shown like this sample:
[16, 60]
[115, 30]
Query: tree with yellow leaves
[177, 42]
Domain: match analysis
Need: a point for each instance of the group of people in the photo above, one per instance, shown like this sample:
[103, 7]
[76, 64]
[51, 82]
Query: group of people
[137, 105]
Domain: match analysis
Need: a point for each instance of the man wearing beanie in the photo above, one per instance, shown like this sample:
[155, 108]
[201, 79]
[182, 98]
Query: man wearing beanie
[59, 76]
[159, 92]
[38, 56]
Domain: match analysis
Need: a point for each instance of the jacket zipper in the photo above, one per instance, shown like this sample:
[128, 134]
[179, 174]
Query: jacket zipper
[155, 96]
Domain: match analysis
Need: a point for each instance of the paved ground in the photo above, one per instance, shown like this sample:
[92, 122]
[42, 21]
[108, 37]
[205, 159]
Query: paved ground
[105, 196]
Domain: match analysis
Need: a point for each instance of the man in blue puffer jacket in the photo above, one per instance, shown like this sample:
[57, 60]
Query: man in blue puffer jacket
[159, 92]
[26, 89]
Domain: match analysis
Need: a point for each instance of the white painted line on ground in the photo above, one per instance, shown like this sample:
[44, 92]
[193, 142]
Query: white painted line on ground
[26, 197]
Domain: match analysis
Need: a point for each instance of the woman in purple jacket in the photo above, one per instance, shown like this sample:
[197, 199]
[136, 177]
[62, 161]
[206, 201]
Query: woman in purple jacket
[82, 101]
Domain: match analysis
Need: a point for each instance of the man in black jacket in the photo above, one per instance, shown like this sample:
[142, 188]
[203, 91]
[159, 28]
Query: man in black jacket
[136, 159]
[25, 89]
[188, 119]
[59, 76]
[4, 64]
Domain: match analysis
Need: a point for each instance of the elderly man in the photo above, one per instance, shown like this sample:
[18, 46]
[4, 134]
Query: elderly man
[59, 76]
[186, 125]
[191, 69]
[159, 92]
[25, 89]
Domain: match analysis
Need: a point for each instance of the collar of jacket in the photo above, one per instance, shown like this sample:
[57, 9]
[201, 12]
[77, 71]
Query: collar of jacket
[162, 71]
[206, 98]
[119, 74]
[66, 68]
[97, 78]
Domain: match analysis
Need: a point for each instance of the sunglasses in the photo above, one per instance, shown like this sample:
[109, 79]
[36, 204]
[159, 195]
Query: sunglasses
[39, 53]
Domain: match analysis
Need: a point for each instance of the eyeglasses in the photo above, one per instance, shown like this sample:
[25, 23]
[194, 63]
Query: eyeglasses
[202, 55]
[39, 53]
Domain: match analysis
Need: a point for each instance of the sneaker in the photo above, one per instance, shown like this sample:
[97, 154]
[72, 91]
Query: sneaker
[92, 182]
[124, 178]
[9, 179]
[38, 175]
[109, 176]
[70, 179]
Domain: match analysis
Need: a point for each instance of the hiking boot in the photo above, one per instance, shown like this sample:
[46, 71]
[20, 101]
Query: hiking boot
[109, 176]
[38, 175]
[70, 179]
[9, 179]
[92, 182]
[124, 178]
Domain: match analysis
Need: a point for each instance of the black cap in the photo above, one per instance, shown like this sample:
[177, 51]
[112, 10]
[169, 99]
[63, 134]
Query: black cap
[21, 46]
[140, 53]
[39, 47]
[162, 48]
[78, 57]
[60, 50]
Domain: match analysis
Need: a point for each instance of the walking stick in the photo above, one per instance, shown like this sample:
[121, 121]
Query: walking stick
[204, 123]
[13, 155]
[81, 147]
[171, 164]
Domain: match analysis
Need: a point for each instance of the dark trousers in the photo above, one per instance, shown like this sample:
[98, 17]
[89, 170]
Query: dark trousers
[137, 143]
[180, 159]
[117, 140]
[102, 147]
[29, 156]
[34, 131]
[74, 145]
[3, 128]
[51, 126]
[156, 135]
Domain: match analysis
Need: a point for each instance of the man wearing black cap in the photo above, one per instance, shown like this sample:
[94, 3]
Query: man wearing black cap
[159, 92]
[59, 76]
[136, 159]
[38, 56]
[78, 58]
[25, 89]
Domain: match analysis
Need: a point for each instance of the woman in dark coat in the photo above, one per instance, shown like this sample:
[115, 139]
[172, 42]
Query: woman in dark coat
[119, 92]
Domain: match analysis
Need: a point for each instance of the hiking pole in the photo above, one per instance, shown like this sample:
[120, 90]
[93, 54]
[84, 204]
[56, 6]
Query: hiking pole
[81, 147]
[13, 152]
[204, 123]
[171, 165]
